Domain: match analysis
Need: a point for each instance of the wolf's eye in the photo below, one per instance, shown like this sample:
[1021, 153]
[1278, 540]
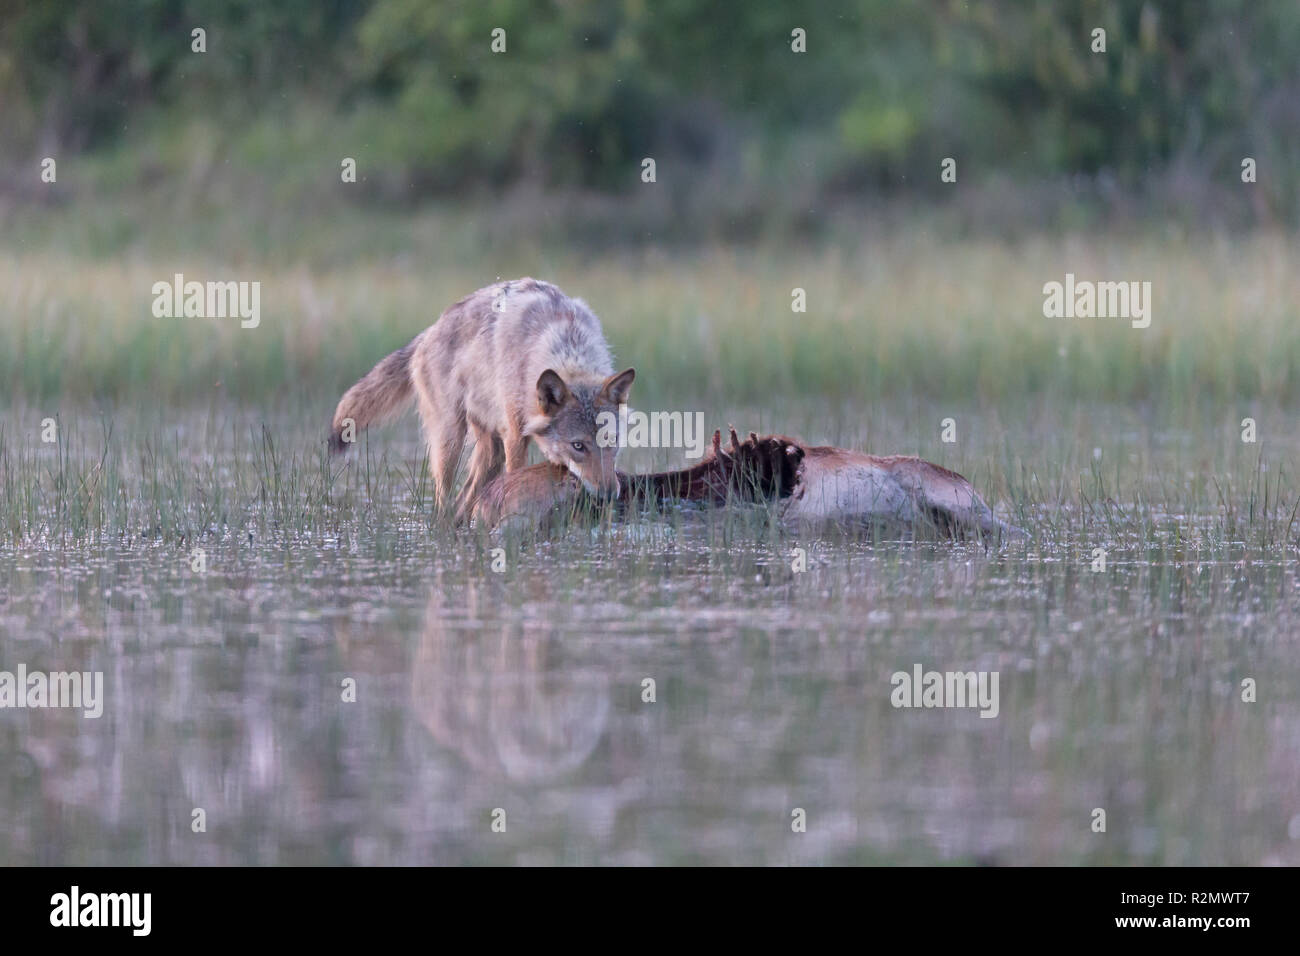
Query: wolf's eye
[578, 446]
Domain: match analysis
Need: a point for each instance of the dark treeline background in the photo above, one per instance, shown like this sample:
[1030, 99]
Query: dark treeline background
[586, 89]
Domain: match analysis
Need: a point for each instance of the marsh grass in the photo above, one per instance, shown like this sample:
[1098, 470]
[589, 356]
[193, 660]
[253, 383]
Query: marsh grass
[184, 477]
[1121, 689]
[888, 315]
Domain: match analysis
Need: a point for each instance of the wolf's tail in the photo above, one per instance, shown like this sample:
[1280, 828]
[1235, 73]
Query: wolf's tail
[382, 393]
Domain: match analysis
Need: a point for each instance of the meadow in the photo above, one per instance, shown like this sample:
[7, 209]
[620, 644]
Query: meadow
[522, 688]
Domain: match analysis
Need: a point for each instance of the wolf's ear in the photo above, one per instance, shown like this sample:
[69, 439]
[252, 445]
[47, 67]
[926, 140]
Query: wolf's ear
[615, 388]
[551, 392]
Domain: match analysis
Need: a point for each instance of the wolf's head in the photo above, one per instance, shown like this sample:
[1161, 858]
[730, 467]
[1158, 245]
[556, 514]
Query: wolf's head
[567, 420]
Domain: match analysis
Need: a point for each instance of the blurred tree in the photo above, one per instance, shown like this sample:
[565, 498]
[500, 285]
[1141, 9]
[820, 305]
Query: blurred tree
[585, 88]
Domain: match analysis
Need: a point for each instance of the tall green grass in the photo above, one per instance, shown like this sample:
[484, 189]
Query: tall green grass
[230, 476]
[173, 429]
[886, 316]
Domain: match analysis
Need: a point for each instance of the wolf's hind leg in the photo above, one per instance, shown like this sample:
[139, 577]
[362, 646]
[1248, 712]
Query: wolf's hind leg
[444, 427]
[446, 442]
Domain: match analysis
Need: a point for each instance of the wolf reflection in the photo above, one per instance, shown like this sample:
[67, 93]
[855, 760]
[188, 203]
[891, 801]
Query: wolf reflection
[501, 701]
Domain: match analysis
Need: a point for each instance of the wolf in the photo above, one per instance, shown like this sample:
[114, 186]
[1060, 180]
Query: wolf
[514, 362]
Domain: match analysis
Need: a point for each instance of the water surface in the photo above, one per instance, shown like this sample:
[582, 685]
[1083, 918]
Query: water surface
[522, 691]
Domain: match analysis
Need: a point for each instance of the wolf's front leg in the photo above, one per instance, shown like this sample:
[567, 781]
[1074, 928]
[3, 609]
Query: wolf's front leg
[516, 449]
[484, 465]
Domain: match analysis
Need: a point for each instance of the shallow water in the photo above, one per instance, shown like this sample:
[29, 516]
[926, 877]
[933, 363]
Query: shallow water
[522, 691]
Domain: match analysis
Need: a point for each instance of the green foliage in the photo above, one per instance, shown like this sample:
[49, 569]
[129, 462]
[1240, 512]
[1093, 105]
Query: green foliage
[585, 89]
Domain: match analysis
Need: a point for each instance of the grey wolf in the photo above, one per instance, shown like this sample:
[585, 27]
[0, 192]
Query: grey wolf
[514, 362]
